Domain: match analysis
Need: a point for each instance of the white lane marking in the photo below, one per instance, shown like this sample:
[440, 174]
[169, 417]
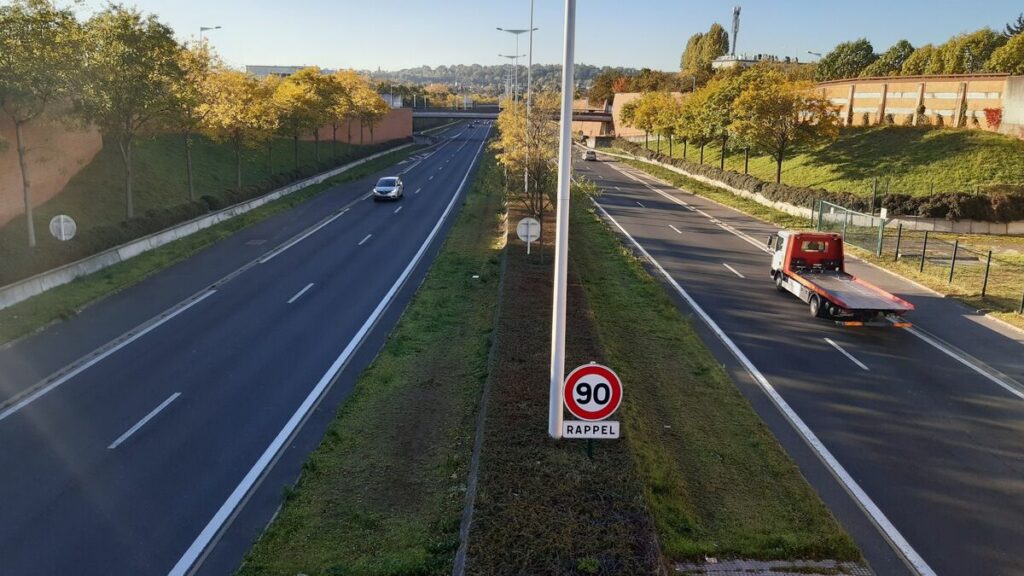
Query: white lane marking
[275, 253]
[417, 191]
[363, 241]
[916, 332]
[439, 168]
[100, 357]
[619, 189]
[887, 528]
[227, 509]
[431, 177]
[641, 204]
[847, 354]
[397, 210]
[733, 270]
[366, 196]
[965, 361]
[300, 293]
[142, 422]
[678, 231]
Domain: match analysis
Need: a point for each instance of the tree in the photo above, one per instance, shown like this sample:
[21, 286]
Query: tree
[190, 90]
[1014, 28]
[667, 110]
[1009, 57]
[239, 109]
[529, 146]
[918, 61]
[701, 50]
[603, 88]
[847, 60]
[301, 110]
[40, 48]
[370, 108]
[339, 106]
[968, 53]
[714, 44]
[891, 62]
[690, 60]
[131, 65]
[775, 115]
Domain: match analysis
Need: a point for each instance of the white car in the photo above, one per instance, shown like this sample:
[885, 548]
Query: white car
[589, 155]
[388, 188]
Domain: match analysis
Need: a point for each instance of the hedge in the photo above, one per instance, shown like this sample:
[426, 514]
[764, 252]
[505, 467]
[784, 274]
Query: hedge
[19, 262]
[994, 203]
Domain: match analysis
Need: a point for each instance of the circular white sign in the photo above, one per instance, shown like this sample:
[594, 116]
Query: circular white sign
[592, 392]
[63, 227]
[528, 230]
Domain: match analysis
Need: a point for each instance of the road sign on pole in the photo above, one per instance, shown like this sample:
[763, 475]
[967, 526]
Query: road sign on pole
[63, 227]
[591, 393]
[528, 231]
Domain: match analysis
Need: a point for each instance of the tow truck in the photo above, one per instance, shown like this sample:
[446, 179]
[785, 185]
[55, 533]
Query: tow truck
[811, 266]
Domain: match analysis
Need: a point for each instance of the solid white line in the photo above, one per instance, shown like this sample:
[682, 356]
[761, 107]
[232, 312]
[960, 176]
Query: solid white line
[887, 528]
[641, 204]
[397, 210]
[100, 357]
[431, 177]
[678, 231]
[733, 270]
[847, 354]
[305, 235]
[966, 362]
[213, 527]
[417, 191]
[300, 293]
[363, 241]
[142, 422]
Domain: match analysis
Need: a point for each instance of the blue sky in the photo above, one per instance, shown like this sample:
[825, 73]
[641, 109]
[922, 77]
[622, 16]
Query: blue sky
[395, 34]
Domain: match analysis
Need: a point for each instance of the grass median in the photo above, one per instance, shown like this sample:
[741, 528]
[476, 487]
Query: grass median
[67, 300]
[1004, 290]
[383, 493]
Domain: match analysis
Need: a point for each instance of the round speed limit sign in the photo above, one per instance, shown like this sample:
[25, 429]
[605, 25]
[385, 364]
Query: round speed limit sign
[592, 392]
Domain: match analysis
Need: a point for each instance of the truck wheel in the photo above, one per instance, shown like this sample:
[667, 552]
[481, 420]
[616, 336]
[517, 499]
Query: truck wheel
[815, 306]
[778, 282]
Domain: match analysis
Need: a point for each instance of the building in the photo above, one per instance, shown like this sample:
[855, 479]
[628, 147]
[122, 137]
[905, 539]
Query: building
[748, 60]
[279, 71]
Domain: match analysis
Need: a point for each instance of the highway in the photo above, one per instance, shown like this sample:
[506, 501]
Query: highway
[154, 432]
[912, 437]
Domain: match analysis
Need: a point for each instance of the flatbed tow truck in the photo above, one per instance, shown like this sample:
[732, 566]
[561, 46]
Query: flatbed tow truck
[811, 266]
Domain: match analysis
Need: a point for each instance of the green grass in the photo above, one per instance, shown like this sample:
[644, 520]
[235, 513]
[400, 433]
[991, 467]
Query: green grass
[915, 161]
[1006, 281]
[384, 491]
[65, 301]
[715, 479]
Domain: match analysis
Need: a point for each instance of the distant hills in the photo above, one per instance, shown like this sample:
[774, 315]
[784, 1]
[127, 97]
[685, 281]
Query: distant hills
[491, 79]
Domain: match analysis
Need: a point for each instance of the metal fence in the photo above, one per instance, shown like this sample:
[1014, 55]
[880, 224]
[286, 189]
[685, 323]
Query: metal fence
[994, 279]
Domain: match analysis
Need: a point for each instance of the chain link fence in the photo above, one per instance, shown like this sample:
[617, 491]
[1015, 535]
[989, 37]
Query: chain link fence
[994, 278]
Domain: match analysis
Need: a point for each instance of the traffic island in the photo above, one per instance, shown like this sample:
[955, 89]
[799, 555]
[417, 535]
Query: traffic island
[696, 476]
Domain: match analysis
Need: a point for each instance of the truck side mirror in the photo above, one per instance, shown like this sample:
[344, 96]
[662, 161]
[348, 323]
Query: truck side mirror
[771, 240]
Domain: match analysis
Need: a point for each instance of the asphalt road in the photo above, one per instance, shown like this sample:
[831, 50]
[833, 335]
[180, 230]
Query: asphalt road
[167, 451]
[912, 437]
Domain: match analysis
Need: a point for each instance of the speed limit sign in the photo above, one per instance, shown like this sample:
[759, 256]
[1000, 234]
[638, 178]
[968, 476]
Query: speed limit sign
[592, 393]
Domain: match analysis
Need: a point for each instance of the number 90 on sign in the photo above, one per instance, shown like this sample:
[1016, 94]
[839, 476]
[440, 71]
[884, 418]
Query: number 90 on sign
[592, 392]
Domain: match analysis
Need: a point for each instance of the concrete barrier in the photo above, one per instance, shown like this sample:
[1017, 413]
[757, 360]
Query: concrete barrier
[35, 285]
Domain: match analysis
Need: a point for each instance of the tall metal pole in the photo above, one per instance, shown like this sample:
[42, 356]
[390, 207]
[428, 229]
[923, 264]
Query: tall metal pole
[562, 227]
[515, 97]
[529, 70]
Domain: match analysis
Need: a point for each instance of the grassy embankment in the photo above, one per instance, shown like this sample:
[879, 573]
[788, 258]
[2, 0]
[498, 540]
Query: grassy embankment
[383, 493]
[696, 473]
[67, 300]
[906, 160]
[1006, 282]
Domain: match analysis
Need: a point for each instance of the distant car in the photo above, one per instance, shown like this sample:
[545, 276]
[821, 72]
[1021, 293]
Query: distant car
[589, 155]
[388, 188]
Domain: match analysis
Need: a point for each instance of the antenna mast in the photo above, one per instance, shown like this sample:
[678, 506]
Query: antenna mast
[735, 28]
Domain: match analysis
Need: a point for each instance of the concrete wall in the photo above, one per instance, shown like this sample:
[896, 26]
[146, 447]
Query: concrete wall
[874, 98]
[55, 155]
[621, 99]
[395, 126]
[590, 128]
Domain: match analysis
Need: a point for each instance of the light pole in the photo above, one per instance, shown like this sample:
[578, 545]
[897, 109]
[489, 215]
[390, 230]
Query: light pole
[203, 29]
[529, 69]
[562, 227]
[818, 54]
[516, 33]
[508, 83]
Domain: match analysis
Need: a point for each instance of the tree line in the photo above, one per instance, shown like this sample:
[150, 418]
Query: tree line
[760, 108]
[123, 72]
[983, 50]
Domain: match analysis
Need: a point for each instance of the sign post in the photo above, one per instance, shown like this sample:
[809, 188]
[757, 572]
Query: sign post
[63, 227]
[528, 231]
[592, 393]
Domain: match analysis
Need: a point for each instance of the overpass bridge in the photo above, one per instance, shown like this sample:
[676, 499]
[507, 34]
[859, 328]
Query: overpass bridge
[491, 113]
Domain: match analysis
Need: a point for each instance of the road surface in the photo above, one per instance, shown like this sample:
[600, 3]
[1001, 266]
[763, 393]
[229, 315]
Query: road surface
[167, 451]
[920, 430]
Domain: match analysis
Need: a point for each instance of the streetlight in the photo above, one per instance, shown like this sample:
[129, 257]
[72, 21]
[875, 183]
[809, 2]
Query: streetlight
[562, 227]
[508, 83]
[818, 54]
[203, 29]
[516, 33]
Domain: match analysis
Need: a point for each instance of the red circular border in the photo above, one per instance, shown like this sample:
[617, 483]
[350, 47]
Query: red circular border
[586, 369]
